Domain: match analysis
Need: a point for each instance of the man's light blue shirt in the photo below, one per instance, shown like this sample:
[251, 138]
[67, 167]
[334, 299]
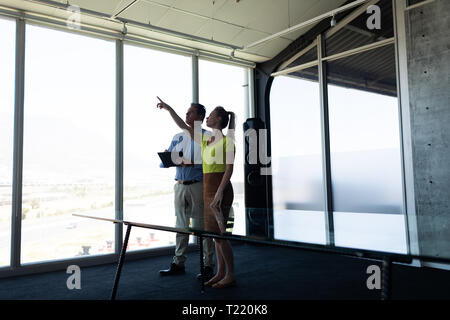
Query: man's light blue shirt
[181, 142]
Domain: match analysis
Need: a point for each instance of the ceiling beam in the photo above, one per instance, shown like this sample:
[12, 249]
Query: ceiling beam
[296, 68]
[349, 18]
[364, 32]
[297, 55]
[114, 15]
[361, 49]
[414, 6]
[306, 23]
[343, 23]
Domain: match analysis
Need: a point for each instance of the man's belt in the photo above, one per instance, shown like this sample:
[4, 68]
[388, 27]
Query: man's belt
[187, 182]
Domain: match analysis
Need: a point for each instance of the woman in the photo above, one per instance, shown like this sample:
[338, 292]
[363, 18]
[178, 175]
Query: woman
[218, 157]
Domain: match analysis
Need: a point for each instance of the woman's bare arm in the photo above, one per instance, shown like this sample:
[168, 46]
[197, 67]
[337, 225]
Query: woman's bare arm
[226, 177]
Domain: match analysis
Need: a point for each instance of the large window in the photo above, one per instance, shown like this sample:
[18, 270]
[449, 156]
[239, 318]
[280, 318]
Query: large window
[223, 85]
[148, 189]
[360, 139]
[68, 145]
[297, 159]
[7, 34]
[69, 140]
[365, 152]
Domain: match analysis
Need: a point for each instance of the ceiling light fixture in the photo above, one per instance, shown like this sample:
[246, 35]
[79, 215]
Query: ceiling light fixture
[333, 21]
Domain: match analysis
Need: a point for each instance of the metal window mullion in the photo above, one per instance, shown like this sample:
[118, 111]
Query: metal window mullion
[295, 69]
[16, 219]
[325, 128]
[408, 193]
[195, 95]
[337, 56]
[246, 95]
[195, 80]
[298, 55]
[118, 234]
[417, 5]
[251, 110]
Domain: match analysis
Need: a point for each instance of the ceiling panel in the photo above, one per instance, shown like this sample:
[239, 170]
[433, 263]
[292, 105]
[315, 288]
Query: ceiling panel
[165, 2]
[244, 11]
[181, 22]
[237, 23]
[301, 11]
[218, 31]
[104, 6]
[270, 49]
[202, 7]
[272, 17]
[247, 36]
[144, 12]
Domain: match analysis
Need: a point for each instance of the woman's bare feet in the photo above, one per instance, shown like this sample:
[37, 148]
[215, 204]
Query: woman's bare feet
[226, 282]
[214, 279]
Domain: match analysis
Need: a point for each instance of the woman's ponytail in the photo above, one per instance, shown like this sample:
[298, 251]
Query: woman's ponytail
[232, 121]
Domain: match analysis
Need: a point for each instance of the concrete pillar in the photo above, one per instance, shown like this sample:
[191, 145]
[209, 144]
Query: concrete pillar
[427, 39]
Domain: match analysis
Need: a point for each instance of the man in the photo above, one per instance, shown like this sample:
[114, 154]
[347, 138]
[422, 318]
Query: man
[189, 196]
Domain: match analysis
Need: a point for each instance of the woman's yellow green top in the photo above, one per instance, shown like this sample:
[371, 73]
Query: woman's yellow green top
[217, 155]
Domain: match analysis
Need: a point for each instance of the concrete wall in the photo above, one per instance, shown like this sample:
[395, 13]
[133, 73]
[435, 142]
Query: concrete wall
[428, 64]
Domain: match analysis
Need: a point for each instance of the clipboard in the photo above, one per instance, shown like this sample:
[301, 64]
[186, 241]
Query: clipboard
[166, 159]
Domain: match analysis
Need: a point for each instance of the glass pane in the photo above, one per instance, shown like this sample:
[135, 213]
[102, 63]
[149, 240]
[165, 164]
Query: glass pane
[222, 85]
[7, 59]
[367, 28]
[372, 71]
[148, 189]
[365, 152]
[68, 145]
[297, 159]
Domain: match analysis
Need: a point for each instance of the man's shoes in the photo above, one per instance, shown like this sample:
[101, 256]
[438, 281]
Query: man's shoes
[208, 273]
[173, 270]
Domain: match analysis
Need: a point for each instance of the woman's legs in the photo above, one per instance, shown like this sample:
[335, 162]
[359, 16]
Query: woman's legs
[215, 221]
[220, 265]
[227, 254]
[225, 262]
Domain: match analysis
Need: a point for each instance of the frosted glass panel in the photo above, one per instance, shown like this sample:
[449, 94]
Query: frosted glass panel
[372, 231]
[296, 144]
[365, 151]
[299, 226]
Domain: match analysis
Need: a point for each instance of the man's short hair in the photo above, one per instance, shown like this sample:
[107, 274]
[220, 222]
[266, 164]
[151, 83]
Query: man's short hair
[201, 110]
